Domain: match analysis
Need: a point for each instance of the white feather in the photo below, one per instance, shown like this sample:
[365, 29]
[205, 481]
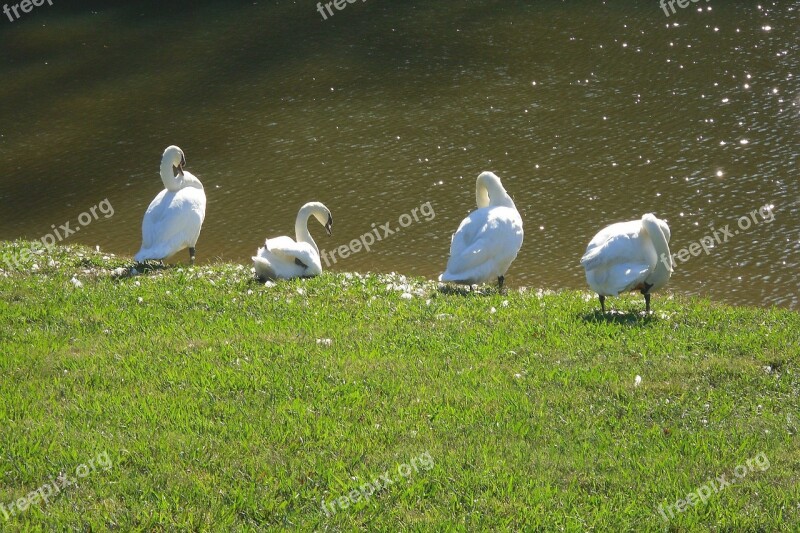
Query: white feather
[174, 218]
[489, 239]
[627, 256]
[286, 258]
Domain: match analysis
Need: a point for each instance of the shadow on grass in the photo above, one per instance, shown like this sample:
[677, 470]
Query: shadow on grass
[619, 317]
[140, 269]
[470, 290]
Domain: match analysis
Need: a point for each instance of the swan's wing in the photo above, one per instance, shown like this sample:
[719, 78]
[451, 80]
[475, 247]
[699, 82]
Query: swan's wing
[619, 258]
[172, 222]
[468, 246]
[152, 217]
[616, 244]
[290, 251]
[486, 240]
[190, 181]
[262, 266]
[158, 229]
[618, 278]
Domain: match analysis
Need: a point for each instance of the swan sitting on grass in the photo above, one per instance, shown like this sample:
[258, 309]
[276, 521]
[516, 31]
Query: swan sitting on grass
[629, 256]
[173, 220]
[488, 240]
[285, 258]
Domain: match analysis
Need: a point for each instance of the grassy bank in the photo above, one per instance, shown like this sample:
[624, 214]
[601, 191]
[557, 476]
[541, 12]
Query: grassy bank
[226, 404]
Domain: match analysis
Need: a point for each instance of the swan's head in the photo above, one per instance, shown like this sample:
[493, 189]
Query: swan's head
[662, 224]
[489, 190]
[328, 224]
[322, 214]
[173, 156]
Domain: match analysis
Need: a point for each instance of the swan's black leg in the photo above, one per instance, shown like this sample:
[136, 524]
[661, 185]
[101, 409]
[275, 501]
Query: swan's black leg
[500, 280]
[646, 292]
[191, 255]
[602, 303]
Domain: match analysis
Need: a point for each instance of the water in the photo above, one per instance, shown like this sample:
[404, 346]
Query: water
[591, 113]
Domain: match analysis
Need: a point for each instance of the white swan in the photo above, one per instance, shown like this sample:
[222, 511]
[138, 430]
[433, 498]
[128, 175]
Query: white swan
[283, 258]
[173, 220]
[629, 256]
[488, 240]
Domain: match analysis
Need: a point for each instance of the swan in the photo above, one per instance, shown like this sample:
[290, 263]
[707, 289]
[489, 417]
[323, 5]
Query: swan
[285, 258]
[488, 240]
[173, 220]
[629, 256]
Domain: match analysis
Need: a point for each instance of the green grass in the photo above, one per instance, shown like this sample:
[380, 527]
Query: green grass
[225, 404]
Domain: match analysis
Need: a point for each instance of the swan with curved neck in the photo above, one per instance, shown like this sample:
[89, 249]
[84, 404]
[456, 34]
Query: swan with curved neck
[629, 256]
[287, 258]
[489, 239]
[174, 218]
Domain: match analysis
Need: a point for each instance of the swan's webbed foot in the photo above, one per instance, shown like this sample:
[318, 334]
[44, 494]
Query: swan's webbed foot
[191, 255]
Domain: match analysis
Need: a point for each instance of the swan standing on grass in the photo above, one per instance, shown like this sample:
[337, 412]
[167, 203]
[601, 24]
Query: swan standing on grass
[629, 256]
[173, 220]
[283, 258]
[488, 240]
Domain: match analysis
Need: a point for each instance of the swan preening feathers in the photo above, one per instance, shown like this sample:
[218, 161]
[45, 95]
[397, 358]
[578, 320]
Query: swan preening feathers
[173, 220]
[488, 240]
[626, 256]
[286, 258]
[629, 256]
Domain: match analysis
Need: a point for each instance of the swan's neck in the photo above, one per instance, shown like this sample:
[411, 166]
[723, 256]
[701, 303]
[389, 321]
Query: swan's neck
[301, 228]
[482, 196]
[171, 182]
[664, 266]
[489, 192]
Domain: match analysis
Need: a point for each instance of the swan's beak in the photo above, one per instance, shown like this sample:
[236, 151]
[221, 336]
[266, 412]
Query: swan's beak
[329, 225]
[179, 168]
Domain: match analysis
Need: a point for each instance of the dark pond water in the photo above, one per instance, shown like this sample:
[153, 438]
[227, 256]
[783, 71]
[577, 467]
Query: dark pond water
[591, 113]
